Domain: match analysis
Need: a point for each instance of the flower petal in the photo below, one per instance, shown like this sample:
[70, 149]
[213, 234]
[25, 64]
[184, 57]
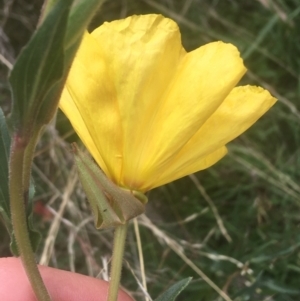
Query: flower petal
[150, 113]
[94, 97]
[69, 108]
[202, 81]
[143, 53]
[241, 108]
[176, 171]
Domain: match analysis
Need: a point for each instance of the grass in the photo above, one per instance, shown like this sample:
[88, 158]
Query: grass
[237, 222]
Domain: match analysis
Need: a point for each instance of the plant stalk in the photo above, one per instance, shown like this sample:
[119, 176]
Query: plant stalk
[117, 259]
[18, 215]
[27, 162]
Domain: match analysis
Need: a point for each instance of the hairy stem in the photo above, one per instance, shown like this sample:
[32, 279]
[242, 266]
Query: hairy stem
[27, 162]
[117, 259]
[18, 216]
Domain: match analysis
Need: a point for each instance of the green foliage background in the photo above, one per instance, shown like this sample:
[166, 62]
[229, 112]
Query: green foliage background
[255, 188]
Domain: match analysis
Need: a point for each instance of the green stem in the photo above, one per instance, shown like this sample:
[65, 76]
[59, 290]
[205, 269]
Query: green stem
[117, 259]
[27, 162]
[19, 218]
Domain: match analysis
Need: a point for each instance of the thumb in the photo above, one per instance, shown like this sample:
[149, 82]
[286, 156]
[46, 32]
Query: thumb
[61, 285]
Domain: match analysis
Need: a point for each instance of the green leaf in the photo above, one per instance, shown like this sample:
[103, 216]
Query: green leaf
[40, 72]
[111, 205]
[171, 293]
[79, 17]
[39, 66]
[4, 159]
[279, 288]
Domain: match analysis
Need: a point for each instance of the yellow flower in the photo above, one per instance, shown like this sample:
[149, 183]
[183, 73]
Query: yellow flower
[148, 111]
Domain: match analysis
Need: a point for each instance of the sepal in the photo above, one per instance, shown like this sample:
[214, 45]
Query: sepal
[111, 205]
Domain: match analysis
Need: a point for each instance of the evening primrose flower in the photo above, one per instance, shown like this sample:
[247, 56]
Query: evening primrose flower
[148, 111]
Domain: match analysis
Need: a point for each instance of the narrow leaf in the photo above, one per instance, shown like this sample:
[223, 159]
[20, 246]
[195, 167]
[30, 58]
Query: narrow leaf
[39, 66]
[171, 293]
[80, 16]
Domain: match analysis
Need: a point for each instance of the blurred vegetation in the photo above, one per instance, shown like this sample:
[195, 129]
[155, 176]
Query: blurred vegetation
[239, 220]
